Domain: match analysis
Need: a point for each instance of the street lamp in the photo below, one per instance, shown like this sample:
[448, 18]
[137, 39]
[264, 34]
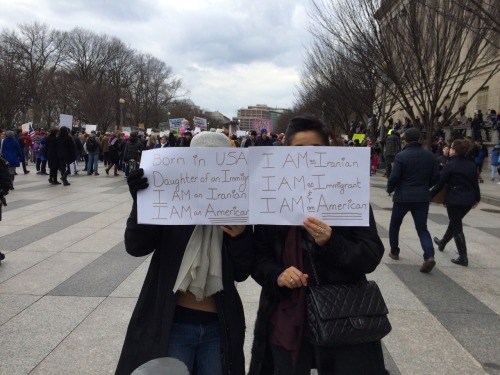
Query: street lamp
[122, 105]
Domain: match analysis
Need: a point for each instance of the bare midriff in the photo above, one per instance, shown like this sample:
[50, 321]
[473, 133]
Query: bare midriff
[188, 300]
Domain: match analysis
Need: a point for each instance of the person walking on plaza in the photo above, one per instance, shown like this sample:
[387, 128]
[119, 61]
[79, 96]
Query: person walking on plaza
[52, 155]
[65, 153]
[462, 194]
[114, 154]
[414, 172]
[12, 152]
[93, 148]
[22, 144]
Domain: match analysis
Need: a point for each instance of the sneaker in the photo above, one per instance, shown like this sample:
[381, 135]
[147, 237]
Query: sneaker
[96, 174]
[428, 265]
[393, 256]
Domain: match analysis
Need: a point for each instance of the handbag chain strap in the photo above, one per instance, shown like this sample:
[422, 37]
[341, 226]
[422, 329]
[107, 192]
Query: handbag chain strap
[313, 266]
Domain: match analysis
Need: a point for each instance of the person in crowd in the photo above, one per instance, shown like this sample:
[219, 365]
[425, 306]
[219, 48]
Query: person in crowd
[52, 155]
[341, 254]
[185, 140]
[114, 154]
[172, 141]
[415, 171]
[250, 139]
[105, 149]
[391, 149]
[164, 142]
[36, 153]
[495, 162]
[13, 154]
[459, 175]
[65, 153]
[182, 313]
[480, 152]
[445, 157]
[28, 146]
[22, 144]
[43, 157]
[85, 154]
[263, 140]
[152, 142]
[476, 125]
[93, 148]
[78, 149]
[279, 140]
[132, 153]
[5, 184]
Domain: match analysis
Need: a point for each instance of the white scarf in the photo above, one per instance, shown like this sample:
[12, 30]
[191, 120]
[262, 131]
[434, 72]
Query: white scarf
[201, 267]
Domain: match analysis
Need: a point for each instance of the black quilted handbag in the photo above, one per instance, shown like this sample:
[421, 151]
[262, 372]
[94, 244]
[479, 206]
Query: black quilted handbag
[345, 314]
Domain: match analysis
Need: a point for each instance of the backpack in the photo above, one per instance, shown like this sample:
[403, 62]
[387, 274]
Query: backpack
[133, 151]
[91, 144]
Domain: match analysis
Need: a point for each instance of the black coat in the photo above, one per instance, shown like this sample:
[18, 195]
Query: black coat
[460, 174]
[414, 172]
[350, 253]
[149, 329]
[66, 150]
[51, 151]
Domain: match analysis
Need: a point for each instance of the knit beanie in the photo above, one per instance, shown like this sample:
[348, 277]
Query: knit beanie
[210, 139]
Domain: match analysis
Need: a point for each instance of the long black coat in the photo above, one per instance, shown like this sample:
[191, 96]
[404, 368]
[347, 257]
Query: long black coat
[51, 151]
[350, 253]
[460, 174]
[149, 328]
[65, 150]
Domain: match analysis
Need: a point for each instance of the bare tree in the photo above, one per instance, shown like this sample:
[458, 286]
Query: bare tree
[427, 57]
[36, 52]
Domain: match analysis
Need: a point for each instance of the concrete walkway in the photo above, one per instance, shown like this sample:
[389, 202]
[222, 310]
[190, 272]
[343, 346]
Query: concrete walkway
[67, 287]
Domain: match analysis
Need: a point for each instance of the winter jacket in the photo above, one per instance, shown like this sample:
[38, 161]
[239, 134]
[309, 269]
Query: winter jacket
[11, 151]
[414, 172]
[460, 175]
[350, 253]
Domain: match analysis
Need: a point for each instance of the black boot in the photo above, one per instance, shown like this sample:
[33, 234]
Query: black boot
[446, 238]
[462, 251]
[65, 180]
[2, 257]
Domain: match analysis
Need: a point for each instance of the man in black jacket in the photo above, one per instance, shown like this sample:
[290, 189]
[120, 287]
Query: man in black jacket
[414, 172]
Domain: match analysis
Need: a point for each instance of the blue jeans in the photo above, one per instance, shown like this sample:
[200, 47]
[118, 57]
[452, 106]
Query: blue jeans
[197, 342]
[419, 211]
[93, 161]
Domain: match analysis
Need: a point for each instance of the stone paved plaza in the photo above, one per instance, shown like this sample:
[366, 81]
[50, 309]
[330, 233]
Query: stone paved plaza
[67, 286]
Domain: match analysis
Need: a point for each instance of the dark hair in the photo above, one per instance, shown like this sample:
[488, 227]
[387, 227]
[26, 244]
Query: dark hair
[461, 146]
[64, 131]
[253, 132]
[307, 123]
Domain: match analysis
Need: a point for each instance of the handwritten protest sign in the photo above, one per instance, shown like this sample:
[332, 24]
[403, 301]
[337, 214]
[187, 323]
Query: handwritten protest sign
[256, 185]
[195, 186]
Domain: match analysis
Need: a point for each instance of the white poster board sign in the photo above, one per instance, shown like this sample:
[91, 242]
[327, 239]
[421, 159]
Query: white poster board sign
[65, 120]
[89, 128]
[282, 185]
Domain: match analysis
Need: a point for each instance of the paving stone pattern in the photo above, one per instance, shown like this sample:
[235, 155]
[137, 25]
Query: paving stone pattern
[68, 288]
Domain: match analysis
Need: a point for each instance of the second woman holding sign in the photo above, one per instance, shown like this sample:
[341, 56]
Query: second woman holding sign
[341, 255]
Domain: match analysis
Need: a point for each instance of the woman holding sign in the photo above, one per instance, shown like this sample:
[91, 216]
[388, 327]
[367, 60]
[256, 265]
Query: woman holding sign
[188, 308]
[340, 254]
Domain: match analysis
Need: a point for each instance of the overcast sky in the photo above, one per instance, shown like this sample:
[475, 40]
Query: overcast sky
[229, 53]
